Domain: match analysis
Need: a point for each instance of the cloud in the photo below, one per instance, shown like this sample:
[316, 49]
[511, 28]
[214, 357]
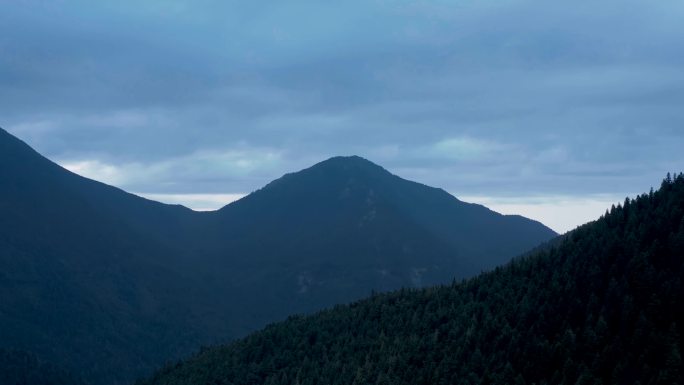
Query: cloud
[97, 170]
[198, 202]
[199, 172]
[508, 98]
[560, 213]
[463, 148]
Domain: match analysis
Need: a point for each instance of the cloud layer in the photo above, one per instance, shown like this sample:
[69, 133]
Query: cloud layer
[486, 98]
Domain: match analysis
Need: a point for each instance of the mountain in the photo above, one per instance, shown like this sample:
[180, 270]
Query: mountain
[346, 225]
[94, 279]
[22, 368]
[603, 305]
[109, 285]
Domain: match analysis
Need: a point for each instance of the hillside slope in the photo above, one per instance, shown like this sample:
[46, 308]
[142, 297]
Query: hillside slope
[605, 306]
[22, 368]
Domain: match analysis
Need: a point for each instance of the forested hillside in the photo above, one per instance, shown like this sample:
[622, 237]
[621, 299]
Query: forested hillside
[603, 306]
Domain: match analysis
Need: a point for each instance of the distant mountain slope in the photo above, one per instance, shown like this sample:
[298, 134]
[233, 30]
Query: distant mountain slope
[110, 285]
[605, 306]
[21, 368]
[346, 225]
[92, 278]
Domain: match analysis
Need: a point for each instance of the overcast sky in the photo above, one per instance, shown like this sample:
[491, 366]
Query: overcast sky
[549, 109]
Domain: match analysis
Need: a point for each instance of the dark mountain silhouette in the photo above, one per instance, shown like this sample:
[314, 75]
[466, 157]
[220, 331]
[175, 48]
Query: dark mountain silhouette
[603, 305]
[22, 368]
[92, 278]
[109, 285]
[346, 225]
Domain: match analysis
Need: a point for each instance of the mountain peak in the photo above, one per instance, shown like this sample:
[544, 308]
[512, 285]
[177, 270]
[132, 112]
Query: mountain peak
[338, 171]
[347, 159]
[350, 162]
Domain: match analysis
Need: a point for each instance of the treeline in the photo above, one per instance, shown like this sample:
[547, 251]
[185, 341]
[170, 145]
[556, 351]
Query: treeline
[603, 306]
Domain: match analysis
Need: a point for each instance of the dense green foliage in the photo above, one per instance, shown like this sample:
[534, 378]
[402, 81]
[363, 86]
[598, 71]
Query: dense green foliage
[604, 305]
[22, 368]
[111, 285]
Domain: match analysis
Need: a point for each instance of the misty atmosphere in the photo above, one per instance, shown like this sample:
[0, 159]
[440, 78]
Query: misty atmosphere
[378, 192]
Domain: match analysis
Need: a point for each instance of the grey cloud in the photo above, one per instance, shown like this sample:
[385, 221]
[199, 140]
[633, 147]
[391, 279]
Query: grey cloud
[481, 98]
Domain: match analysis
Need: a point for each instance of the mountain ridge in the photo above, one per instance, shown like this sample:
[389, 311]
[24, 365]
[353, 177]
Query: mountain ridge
[89, 267]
